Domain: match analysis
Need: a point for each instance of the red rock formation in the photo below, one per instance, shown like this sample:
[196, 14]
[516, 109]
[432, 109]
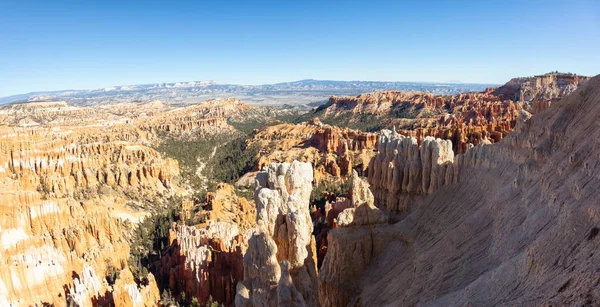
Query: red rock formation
[332, 150]
[206, 261]
[466, 118]
[74, 181]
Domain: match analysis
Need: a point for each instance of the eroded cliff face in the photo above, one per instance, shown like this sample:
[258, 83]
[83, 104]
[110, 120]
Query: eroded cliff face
[152, 118]
[206, 260]
[403, 172]
[542, 90]
[331, 150]
[76, 181]
[280, 262]
[467, 118]
[351, 246]
[58, 243]
[520, 227]
[205, 263]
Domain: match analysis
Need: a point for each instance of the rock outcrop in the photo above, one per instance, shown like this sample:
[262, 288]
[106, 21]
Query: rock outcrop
[520, 227]
[467, 118]
[541, 90]
[205, 262]
[127, 293]
[280, 262]
[403, 169]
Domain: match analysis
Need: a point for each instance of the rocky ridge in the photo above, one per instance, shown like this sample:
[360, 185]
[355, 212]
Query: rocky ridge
[467, 118]
[519, 227]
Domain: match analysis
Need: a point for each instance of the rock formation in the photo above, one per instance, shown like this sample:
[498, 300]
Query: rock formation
[55, 249]
[280, 262]
[206, 260]
[467, 118]
[127, 293]
[520, 227]
[333, 151]
[542, 90]
[403, 169]
[75, 181]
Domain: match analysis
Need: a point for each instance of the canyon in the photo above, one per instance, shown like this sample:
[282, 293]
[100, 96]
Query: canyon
[465, 118]
[474, 198]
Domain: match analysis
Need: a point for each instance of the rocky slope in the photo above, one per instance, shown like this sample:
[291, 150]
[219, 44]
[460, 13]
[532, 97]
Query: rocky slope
[519, 227]
[351, 246]
[542, 90]
[467, 118]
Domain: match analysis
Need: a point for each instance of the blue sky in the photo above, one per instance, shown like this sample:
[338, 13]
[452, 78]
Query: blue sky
[53, 45]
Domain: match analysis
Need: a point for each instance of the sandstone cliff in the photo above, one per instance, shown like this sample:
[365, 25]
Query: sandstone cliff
[205, 262]
[56, 250]
[351, 246]
[403, 171]
[542, 90]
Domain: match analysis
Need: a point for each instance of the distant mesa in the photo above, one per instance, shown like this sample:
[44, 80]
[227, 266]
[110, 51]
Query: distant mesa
[296, 92]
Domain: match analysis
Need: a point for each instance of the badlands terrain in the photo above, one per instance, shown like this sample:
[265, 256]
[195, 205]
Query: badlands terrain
[388, 198]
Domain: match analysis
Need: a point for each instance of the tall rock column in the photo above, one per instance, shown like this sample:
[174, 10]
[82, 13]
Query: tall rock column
[280, 263]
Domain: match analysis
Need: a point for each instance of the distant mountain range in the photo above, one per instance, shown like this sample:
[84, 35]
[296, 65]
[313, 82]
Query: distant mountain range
[294, 93]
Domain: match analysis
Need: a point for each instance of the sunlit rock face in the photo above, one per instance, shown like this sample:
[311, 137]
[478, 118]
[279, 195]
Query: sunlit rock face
[465, 119]
[55, 248]
[280, 263]
[333, 151]
[74, 183]
[206, 261]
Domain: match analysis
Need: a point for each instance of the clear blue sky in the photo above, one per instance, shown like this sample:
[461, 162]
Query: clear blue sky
[53, 45]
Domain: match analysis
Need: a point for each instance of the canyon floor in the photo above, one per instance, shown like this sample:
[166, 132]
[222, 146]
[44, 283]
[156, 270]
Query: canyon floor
[388, 198]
